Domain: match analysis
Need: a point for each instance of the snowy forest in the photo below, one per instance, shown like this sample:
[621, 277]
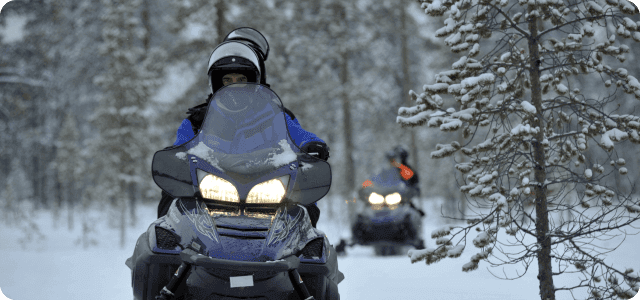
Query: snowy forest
[521, 118]
[92, 89]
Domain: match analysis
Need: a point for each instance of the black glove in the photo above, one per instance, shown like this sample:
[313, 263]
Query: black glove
[317, 149]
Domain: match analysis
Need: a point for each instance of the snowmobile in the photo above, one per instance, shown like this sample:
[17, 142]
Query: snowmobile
[388, 220]
[238, 227]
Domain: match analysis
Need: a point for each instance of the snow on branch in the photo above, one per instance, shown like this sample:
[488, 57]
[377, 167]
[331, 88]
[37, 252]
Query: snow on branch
[471, 82]
[416, 120]
[455, 251]
[411, 111]
[442, 231]
[613, 135]
[523, 130]
[445, 150]
[528, 107]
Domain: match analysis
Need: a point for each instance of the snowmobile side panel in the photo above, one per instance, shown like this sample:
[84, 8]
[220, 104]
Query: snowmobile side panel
[171, 172]
[151, 271]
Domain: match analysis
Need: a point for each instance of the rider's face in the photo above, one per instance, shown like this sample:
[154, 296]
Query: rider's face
[233, 78]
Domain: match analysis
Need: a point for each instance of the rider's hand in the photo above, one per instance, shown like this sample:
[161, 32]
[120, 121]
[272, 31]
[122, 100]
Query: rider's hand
[317, 149]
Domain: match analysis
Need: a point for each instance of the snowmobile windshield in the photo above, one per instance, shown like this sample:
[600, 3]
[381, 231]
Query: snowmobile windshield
[388, 178]
[244, 139]
[245, 131]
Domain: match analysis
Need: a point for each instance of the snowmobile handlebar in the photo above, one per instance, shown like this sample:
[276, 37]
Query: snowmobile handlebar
[191, 257]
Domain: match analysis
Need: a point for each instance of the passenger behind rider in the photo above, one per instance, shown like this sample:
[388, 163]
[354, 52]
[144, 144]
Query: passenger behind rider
[398, 159]
[240, 58]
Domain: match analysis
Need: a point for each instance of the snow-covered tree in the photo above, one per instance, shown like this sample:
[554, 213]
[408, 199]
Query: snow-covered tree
[68, 164]
[121, 150]
[538, 86]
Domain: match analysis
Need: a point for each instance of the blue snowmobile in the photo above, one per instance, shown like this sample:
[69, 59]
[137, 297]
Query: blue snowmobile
[238, 228]
[388, 220]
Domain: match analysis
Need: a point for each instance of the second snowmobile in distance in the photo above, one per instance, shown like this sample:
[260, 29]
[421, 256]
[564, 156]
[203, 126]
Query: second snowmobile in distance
[388, 220]
[238, 228]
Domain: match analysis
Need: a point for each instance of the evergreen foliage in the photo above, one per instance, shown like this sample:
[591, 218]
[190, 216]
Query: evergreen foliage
[540, 143]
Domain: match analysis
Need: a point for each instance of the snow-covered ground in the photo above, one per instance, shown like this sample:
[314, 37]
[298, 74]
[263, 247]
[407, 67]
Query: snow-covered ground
[55, 268]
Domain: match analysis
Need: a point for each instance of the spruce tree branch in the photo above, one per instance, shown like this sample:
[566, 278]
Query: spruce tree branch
[513, 25]
[574, 21]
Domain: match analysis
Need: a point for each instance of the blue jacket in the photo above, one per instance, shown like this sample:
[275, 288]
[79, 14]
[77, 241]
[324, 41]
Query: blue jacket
[298, 134]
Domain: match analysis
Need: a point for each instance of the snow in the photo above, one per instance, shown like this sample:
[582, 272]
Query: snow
[178, 79]
[203, 151]
[460, 63]
[633, 82]
[623, 171]
[561, 88]
[486, 179]
[415, 120]
[613, 135]
[435, 8]
[482, 239]
[285, 157]
[450, 124]
[181, 155]
[63, 270]
[13, 31]
[436, 88]
[505, 56]
[521, 129]
[528, 107]
[442, 231]
[500, 199]
[455, 251]
[471, 82]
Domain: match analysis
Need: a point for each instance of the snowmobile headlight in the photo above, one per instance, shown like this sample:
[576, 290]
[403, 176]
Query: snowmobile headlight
[215, 188]
[393, 199]
[376, 198]
[269, 192]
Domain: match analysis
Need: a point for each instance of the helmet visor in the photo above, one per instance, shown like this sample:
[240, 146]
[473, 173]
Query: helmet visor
[253, 36]
[228, 49]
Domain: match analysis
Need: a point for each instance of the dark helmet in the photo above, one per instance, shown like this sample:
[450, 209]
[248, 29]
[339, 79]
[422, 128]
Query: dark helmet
[242, 51]
[399, 154]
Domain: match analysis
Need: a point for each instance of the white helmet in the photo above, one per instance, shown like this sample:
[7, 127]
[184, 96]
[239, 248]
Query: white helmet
[233, 57]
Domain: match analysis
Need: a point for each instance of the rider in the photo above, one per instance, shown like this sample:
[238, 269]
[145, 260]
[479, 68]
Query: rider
[398, 158]
[240, 58]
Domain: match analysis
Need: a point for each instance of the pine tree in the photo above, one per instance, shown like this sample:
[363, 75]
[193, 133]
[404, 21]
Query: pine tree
[121, 149]
[68, 164]
[538, 85]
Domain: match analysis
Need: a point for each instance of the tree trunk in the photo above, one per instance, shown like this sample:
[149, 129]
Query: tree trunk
[122, 203]
[71, 201]
[59, 199]
[146, 24]
[349, 171]
[545, 274]
[133, 194]
[406, 81]
[220, 21]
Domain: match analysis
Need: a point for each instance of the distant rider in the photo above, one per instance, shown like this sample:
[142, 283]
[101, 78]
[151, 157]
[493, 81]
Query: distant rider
[398, 159]
[240, 58]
